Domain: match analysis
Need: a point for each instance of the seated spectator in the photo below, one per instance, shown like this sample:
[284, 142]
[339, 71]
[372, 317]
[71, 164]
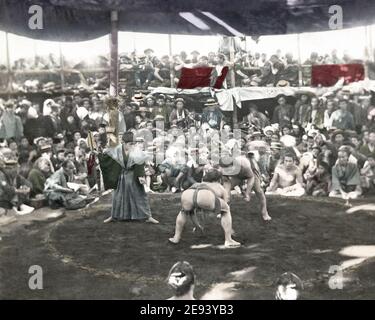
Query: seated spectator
[368, 175]
[311, 166]
[81, 172]
[287, 179]
[346, 182]
[37, 177]
[14, 189]
[57, 190]
[58, 158]
[256, 118]
[26, 152]
[318, 183]
[368, 149]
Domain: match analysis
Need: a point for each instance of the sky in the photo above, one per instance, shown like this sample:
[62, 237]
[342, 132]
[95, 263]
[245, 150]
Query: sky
[353, 41]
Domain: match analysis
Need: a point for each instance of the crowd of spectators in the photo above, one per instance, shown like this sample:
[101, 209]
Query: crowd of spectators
[308, 145]
[147, 69]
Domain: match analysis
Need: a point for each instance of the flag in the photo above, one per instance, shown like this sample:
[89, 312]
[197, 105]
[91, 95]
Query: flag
[202, 77]
[328, 75]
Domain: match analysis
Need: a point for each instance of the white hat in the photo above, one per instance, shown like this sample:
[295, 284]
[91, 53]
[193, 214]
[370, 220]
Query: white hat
[82, 112]
[312, 132]
[47, 104]
[25, 102]
[288, 140]
[32, 113]
[268, 128]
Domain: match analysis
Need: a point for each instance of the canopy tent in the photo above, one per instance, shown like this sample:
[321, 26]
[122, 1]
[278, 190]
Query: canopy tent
[78, 20]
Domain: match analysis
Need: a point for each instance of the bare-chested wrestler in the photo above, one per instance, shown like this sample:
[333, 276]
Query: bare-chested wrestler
[287, 179]
[245, 168]
[207, 196]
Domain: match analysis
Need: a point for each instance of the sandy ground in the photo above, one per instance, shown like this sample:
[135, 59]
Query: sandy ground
[82, 258]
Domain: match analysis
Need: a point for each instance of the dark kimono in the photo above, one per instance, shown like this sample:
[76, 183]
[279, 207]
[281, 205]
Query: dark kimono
[129, 200]
[347, 178]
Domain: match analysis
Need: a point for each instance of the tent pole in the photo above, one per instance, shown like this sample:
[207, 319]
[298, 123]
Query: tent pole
[300, 78]
[233, 81]
[370, 45]
[171, 71]
[61, 68]
[113, 43]
[9, 87]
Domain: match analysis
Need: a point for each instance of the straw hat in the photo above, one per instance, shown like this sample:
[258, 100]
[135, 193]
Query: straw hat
[211, 102]
[138, 97]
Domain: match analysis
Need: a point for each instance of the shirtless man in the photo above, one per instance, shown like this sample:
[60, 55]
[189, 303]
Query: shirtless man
[287, 179]
[240, 170]
[207, 197]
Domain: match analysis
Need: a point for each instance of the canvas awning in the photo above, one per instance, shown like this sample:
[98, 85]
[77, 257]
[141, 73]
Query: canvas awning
[77, 20]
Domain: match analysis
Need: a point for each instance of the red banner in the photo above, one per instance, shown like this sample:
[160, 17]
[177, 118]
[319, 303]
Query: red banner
[328, 75]
[201, 77]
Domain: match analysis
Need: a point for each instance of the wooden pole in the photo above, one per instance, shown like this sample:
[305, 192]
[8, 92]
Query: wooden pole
[300, 80]
[9, 84]
[171, 71]
[113, 43]
[371, 49]
[233, 81]
[62, 77]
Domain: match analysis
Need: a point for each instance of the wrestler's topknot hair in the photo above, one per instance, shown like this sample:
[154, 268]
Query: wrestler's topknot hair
[212, 175]
[186, 270]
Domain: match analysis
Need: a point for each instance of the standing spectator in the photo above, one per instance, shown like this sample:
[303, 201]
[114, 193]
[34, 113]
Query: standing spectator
[317, 114]
[68, 110]
[163, 71]
[283, 113]
[314, 59]
[220, 64]
[342, 118]
[302, 113]
[11, 123]
[360, 112]
[179, 115]
[38, 125]
[212, 115]
[149, 69]
[330, 104]
[163, 109]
